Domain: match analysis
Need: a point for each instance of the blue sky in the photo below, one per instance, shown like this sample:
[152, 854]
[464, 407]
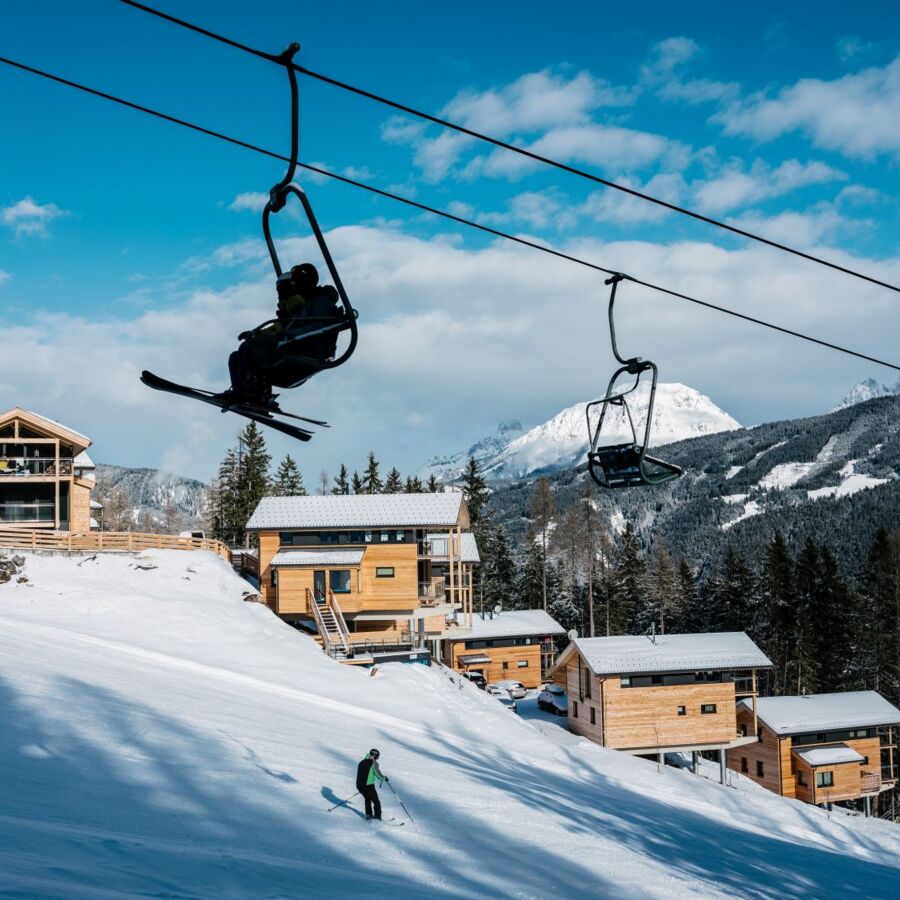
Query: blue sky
[128, 243]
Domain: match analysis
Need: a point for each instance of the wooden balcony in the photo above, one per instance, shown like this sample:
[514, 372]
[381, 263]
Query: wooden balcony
[35, 467]
[869, 782]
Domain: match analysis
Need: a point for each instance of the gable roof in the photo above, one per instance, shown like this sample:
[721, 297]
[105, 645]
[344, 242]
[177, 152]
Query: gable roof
[825, 712]
[43, 422]
[360, 511]
[641, 654]
[509, 623]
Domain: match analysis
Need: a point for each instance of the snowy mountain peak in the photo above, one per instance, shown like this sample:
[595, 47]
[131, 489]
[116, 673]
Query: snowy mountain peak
[680, 412]
[868, 389]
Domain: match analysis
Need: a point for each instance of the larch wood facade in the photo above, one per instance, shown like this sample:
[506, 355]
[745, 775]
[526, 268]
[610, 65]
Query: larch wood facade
[389, 596]
[46, 479]
[774, 762]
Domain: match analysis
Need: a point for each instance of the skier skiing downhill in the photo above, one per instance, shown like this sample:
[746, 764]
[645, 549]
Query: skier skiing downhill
[367, 776]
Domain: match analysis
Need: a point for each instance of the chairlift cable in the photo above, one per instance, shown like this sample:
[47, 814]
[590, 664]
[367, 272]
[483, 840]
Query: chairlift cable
[534, 245]
[522, 151]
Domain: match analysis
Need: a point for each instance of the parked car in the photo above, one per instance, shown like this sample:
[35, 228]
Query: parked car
[476, 678]
[508, 702]
[495, 690]
[553, 699]
[515, 689]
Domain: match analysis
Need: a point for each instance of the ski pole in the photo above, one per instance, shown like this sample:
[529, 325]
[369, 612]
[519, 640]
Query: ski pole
[343, 802]
[411, 819]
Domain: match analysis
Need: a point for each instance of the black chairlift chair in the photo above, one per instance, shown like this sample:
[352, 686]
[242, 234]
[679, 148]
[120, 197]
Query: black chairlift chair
[627, 464]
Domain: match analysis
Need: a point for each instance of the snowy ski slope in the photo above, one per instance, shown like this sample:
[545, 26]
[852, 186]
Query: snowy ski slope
[161, 737]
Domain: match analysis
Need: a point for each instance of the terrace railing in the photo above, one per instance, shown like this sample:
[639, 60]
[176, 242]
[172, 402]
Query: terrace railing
[870, 782]
[19, 466]
[91, 541]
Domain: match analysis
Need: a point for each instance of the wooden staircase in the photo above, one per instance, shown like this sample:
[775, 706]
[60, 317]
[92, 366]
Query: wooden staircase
[332, 627]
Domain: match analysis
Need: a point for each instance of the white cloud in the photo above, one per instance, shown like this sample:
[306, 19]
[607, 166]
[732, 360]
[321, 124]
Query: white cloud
[27, 217]
[857, 115]
[249, 201]
[663, 72]
[4, 277]
[523, 334]
[608, 147]
[733, 187]
[534, 102]
[607, 205]
[539, 209]
[802, 229]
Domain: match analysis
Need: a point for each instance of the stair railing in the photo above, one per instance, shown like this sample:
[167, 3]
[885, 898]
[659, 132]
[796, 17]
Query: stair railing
[338, 614]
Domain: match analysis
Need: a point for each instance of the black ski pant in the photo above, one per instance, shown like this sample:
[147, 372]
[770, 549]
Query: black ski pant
[373, 804]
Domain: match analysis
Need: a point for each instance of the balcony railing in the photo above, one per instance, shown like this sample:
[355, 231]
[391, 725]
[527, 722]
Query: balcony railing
[869, 782]
[432, 592]
[24, 465]
[27, 512]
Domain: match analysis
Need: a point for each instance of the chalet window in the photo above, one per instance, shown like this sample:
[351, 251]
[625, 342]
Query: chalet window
[708, 709]
[575, 709]
[384, 571]
[625, 682]
[745, 764]
[400, 537]
[368, 537]
[593, 716]
[682, 710]
[824, 779]
[760, 769]
[339, 581]
[274, 577]
[522, 663]
[328, 537]
[759, 736]
[356, 537]
[801, 778]
[505, 664]
[743, 727]
[587, 682]
[385, 537]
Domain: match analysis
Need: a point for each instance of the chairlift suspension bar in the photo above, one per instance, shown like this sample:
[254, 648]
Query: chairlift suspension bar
[469, 223]
[504, 145]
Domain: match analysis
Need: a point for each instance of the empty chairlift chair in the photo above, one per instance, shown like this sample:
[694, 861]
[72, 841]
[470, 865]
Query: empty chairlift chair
[624, 464]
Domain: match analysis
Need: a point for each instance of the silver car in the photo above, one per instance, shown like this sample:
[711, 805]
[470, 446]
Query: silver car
[515, 689]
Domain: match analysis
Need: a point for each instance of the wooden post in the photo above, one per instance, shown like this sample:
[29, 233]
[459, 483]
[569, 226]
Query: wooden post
[450, 565]
[56, 473]
[755, 692]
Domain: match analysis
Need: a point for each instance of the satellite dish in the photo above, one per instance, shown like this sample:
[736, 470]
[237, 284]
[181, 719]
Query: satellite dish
[498, 609]
[572, 634]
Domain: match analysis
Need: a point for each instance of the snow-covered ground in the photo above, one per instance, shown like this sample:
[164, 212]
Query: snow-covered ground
[851, 483]
[161, 737]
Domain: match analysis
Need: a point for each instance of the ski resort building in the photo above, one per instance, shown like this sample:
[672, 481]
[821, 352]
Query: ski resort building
[371, 573]
[516, 644]
[651, 695]
[821, 749]
[46, 475]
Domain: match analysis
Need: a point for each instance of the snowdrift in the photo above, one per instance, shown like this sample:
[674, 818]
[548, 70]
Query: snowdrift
[163, 737]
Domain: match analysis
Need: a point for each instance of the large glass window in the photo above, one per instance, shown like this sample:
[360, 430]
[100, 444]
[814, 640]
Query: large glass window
[824, 779]
[339, 580]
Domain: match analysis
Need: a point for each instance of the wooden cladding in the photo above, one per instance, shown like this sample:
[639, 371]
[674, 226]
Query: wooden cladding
[505, 662]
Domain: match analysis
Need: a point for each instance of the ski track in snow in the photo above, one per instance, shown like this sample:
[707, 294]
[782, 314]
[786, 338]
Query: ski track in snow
[164, 738]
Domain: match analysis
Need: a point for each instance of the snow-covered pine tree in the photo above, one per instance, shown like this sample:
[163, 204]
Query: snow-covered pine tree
[393, 484]
[474, 490]
[288, 482]
[251, 482]
[372, 483]
[780, 601]
[629, 585]
[529, 593]
[498, 571]
[341, 482]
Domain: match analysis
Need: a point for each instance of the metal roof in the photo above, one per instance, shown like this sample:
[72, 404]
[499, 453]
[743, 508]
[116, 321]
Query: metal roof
[509, 623]
[826, 712]
[359, 511]
[317, 558]
[834, 755]
[643, 654]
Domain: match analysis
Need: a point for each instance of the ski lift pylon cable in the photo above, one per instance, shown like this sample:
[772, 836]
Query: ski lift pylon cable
[444, 214]
[513, 148]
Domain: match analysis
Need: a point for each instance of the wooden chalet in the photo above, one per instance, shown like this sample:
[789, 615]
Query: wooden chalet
[372, 573]
[823, 748]
[515, 644]
[650, 695]
[46, 475]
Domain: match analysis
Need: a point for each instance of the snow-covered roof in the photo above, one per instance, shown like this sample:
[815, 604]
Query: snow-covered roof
[825, 712]
[94, 523]
[83, 461]
[96, 504]
[317, 558]
[633, 654]
[468, 547]
[358, 511]
[834, 755]
[509, 623]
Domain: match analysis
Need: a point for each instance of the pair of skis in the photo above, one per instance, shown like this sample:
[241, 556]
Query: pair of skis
[262, 415]
[348, 805]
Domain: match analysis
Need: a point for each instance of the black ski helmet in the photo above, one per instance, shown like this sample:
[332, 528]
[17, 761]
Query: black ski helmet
[374, 754]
